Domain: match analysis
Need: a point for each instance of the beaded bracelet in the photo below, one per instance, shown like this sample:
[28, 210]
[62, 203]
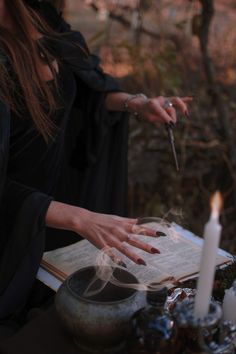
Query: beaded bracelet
[130, 98]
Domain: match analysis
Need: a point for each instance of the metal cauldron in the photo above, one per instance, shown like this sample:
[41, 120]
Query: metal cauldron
[98, 323]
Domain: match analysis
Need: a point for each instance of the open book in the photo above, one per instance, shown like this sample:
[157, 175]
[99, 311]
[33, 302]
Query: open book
[179, 259]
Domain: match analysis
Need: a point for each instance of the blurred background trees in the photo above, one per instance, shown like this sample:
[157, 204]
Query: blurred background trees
[182, 47]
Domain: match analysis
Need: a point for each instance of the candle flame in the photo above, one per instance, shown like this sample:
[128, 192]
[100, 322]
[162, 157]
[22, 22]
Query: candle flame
[216, 203]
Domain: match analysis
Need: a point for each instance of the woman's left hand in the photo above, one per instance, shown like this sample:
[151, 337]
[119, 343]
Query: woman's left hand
[160, 109]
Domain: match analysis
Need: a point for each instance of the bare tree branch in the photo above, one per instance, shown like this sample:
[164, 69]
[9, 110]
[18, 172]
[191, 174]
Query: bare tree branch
[214, 88]
[126, 23]
[225, 124]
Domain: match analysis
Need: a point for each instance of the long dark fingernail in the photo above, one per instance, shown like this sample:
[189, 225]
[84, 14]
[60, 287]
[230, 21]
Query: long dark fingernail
[122, 264]
[141, 261]
[187, 114]
[172, 124]
[160, 233]
[155, 250]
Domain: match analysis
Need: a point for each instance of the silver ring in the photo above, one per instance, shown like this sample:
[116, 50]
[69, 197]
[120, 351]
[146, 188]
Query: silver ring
[167, 104]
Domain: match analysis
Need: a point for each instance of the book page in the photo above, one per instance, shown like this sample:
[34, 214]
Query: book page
[179, 258]
[64, 261]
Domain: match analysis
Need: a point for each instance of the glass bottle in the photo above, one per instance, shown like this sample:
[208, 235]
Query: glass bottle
[153, 330]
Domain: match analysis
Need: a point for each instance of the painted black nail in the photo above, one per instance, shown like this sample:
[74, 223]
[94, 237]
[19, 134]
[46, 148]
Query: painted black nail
[171, 124]
[160, 233]
[122, 264]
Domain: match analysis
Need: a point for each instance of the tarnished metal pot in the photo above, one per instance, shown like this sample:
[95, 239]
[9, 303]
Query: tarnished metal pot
[99, 324]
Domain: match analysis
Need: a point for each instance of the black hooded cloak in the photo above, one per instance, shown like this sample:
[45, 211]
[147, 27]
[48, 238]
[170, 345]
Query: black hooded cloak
[96, 149]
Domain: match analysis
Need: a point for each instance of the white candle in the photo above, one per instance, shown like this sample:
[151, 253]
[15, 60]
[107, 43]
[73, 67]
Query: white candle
[229, 304]
[212, 233]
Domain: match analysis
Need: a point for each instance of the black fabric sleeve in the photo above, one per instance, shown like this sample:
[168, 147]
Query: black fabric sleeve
[24, 234]
[22, 241]
[14, 195]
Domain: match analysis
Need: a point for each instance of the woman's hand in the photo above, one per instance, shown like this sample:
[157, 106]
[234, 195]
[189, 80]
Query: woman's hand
[102, 230]
[107, 231]
[159, 109]
[155, 110]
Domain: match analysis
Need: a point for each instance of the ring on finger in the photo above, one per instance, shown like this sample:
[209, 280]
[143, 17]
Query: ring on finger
[167, 104]
[138, 230]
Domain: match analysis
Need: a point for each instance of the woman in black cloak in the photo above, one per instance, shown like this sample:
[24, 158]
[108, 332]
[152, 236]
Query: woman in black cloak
[63, 146]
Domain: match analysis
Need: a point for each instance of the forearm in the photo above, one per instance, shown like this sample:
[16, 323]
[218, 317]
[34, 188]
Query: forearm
[65, 216]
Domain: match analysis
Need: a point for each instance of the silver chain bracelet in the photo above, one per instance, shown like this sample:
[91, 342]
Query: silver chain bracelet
[130, 98]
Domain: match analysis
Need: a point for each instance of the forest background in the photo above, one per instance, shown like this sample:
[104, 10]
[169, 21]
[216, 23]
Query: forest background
[181, 47]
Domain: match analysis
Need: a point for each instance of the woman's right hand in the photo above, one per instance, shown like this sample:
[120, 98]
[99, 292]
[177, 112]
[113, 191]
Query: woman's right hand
[102, 230]
[160, 109]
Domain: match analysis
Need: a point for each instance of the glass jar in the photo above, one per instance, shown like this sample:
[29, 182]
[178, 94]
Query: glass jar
[153, 330]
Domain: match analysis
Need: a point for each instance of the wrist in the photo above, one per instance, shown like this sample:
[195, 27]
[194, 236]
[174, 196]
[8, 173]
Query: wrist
[79, 220]
[133, 103]
[66, 217]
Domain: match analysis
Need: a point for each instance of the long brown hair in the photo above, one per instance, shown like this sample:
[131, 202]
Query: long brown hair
[25, 86]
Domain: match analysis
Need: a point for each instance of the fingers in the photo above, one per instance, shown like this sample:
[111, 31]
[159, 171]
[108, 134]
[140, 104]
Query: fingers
[160, 111]
[172, 113]
[142, 230]
[143, 246]
[117, 260]
[120, 240]
[121, 247]
[181, 104]
[130, 227]
[108, 231]
[132, 221]
[187, 99]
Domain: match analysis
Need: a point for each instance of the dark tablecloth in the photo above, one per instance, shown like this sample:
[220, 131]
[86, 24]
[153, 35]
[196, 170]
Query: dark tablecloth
[42, 335]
